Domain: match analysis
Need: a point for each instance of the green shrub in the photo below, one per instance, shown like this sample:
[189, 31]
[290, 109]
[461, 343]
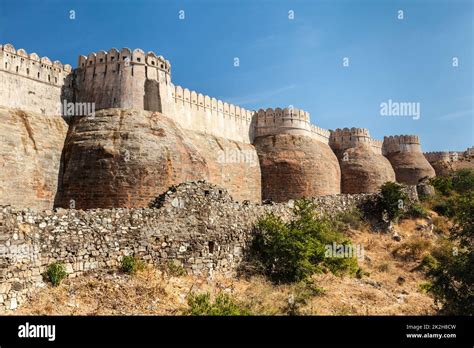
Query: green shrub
[413, 249]
[353, 219]
[131, 264]
[444, 207]
[452, 281]
[416, 211]
[463, 180]
[293, 251]
[441, 225]
[392, 200]
[425, 287]
[175, 269]
[451, 272]
[442, 184]
[223, 305]
[464, 219]
[55, 273]
[301, 295]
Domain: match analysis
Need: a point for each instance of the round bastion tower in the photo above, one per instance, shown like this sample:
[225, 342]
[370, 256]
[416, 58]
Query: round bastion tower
[408, 162]
[124, 79]
[363, 167]
[295, 159]
[139, 143]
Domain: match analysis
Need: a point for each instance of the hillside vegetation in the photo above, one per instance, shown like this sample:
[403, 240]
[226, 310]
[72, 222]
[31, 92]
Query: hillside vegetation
[421, 262]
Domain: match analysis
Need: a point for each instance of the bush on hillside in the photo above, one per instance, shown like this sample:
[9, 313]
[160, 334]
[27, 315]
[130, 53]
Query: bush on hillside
[293, 251]
[56, 272]
[392, 200]
[452, 263]
[223, 305]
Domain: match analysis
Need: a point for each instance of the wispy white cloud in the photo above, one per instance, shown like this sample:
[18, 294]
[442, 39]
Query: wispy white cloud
[457, 114]
[258, 97]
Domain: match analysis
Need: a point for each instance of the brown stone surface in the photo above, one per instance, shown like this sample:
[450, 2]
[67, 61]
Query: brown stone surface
[230, 164]
[363, 171]
[410, 167]
[295, 166]
[30, 153]
[443, 168]
[125, 158]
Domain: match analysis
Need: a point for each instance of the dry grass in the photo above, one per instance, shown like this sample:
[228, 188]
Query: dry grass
[390, 288]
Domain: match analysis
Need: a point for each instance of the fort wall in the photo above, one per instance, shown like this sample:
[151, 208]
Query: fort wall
[288, 121]
[405, 155]
[32, 83]
[401, 143]
[197, 226]
[198, 112]
[343, 139]
[443, 156]
[123, 79]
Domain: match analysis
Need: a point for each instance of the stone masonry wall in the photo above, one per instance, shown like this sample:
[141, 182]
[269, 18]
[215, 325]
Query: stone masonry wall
[197, 225]
[32, 83]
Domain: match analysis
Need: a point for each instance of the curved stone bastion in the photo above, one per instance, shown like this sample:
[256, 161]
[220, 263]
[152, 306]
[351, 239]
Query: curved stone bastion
[295, 159]
[143, 133]
[408, 162]
[363, 167]
[124, 158]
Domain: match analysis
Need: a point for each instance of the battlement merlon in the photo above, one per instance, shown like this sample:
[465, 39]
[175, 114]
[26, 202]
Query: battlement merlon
[33, 83]
[435, 156]
[199, 101]
[401, 143]
[31, 66]
[124, 79]
[125, 56]
[342, 139]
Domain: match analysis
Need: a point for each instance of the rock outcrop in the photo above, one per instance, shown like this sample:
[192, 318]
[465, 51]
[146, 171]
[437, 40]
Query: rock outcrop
[295, 166]
[363, 167]
[445, 163]
[125, 158]
[408, 162]
[30, 156]
[363, 171]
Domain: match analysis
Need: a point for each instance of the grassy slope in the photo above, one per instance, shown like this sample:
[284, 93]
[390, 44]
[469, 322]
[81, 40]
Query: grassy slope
[392, 288]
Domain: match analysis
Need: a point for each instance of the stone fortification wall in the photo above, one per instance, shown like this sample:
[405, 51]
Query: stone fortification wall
[363, 167]
[288, 121]
[444, 156]
[447, 162]
[31, 83]
[401, 143]
[295, 166]
[343, 139]
[201, 113]
[123, 79]
[405, 155]
[125, 158]
[196, 225]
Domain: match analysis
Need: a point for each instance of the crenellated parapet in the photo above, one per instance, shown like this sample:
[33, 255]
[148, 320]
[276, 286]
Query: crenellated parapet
[343, 139]
[199, 101]
[114, 60]
[32, 66]
[320, 134]
[123, 79]
[289, 121]
[435, 156]
[33, 83]
[401, 143]
[405, 155]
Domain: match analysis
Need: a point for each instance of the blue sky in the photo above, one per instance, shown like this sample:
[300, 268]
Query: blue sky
[285, 61]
